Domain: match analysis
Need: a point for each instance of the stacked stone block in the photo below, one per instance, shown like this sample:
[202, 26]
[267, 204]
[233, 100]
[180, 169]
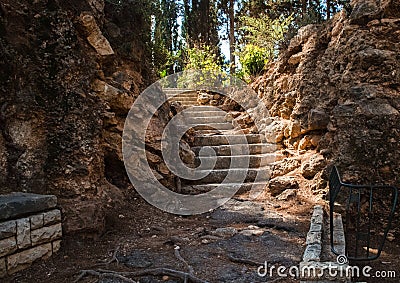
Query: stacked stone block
[30, 229]
[312, 269]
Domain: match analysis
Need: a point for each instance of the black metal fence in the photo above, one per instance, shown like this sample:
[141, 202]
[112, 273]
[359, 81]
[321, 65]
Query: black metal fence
[367, 212]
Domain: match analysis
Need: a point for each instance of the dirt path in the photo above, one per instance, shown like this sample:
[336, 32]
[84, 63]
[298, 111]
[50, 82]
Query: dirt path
[225, 245]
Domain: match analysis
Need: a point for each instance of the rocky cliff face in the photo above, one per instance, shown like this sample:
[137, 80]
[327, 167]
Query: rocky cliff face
[70, 71]
[334, 96]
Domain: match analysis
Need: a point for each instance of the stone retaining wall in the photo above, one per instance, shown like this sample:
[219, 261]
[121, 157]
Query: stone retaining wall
[312, 269]
[30, 229]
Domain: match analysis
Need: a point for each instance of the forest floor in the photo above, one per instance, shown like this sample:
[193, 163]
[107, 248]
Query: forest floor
[225, 245]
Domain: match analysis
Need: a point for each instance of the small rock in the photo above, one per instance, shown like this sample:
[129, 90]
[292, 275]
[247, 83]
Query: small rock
[228, 117]
[210, 238]
[177, 240]
[294, 129]
[136, 259]
[287, 194]
[214, 102]
[295, 59]
[305, 143]
[252, 232]
[390, 237]
[314, 140]
[203, 98]
[275, 131]
[225, 232]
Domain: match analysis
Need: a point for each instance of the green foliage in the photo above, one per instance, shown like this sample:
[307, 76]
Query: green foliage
[253, 59]
[264, 32]
[188, 34]
[201, 68]
[260, 39]
[202, 58]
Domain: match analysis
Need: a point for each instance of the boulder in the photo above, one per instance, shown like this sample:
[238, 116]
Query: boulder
[95, 37]
[314, 165]
[285, 166]
[185, 153]
[317, 120]
[279, 184]
[83, 215]
[274, 133]
[363, 11]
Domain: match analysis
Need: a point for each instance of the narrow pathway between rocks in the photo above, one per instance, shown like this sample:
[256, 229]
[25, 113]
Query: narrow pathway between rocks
[224, 245]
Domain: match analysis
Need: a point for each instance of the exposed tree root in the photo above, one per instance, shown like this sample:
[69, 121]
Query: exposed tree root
[178, 256]
[114, 258]
[244, 260]
[124, 275]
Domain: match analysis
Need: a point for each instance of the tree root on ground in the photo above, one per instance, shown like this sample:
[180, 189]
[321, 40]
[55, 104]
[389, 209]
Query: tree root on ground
[124, 275]
[178, 256]
[244, 260]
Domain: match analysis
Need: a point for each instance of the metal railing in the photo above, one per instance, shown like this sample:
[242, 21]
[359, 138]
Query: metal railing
[367, 213]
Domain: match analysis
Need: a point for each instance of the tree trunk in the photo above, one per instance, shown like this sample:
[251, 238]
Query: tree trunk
[231, 15]
[304, 7]
[328, 9]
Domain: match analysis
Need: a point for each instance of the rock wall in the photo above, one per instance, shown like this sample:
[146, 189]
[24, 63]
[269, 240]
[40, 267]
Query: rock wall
[69, 72]
[334, 97]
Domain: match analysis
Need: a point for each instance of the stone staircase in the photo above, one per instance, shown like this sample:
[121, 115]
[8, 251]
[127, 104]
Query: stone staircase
[187, 97]
[238, 156]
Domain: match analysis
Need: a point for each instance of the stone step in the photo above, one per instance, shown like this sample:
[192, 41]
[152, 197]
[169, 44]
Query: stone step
[241, 187]
[209, 140]
[239, 149]
[186, 103]
[217, 126]
[180, 98]
[213, 132]
[194, 113]
[178, 90]
[236, 175]
[183, 98]
[238, 161]
[204, 108]
[18, 204]
[204, 120]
